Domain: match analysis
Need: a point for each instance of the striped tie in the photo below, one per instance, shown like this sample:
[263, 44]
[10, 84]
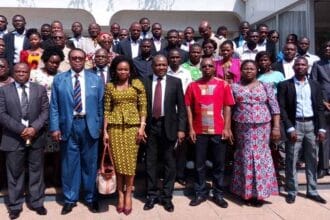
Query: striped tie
[77, 95]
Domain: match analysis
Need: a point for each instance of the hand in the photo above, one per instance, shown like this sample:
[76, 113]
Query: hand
[181, 136]
[327, 105]
[28, 133]
[141, 136]
[320, 137]
[192, 135]
[56, 136]
[106, 138]
[228, 135]
[293, 136]
[275, 134]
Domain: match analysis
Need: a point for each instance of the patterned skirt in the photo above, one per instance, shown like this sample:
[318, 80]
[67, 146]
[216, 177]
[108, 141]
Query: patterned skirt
[254, 175]
[124, 148]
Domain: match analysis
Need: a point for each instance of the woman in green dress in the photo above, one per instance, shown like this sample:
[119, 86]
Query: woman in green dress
[125, 109]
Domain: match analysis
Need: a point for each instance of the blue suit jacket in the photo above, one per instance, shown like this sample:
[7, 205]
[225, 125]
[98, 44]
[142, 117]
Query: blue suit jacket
[61, 104]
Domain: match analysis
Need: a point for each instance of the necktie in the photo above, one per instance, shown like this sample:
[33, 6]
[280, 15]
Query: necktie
[24, 103]
[102, 75]
[77, 95]
[157, 106]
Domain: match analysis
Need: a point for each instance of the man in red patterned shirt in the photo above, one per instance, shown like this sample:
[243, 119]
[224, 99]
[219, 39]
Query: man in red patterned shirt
[208, 102]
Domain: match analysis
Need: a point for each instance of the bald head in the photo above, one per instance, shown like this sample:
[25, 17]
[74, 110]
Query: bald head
[205, 29]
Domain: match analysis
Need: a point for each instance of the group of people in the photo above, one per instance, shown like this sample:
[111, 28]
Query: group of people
[170, 97]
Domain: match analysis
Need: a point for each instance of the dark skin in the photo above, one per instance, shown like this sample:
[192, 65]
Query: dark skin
[156, 30]
[253, 39]
[300, 68]
[22, 76]
[19, 23]
[174, 60]
[195, 54]
[289, 52]
[208, 71]
[326, 53]
[146, 49]
[76, 29]
[4, 69]
[249, 79]
[2, 48]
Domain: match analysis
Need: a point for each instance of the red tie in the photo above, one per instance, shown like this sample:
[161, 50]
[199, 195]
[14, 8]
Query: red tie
[157, 107]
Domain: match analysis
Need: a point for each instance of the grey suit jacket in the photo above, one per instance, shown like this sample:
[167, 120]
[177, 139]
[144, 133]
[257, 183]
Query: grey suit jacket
[11, 116]
[321, 73]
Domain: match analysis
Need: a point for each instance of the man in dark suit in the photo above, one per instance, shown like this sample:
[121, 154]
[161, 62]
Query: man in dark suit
[16, 41]
[302, 112]
[264, 43]
[285, 66]
[321, 73]
[130, 46]
[158, 41]
[166, 124]
[76, 120]
[244, 28]
[23, 114]
[143, 62]
[101, 60]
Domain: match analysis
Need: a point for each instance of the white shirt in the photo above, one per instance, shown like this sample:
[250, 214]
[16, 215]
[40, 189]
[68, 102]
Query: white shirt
[2, 33]
[89, 46]
[157, 43]
[135, 48]
[246, 54]
[163, 83]
[183, 74]
[82, 89]
[18, 44]
[186, 45]
[311, 58]
[19, 92]
[77, 41]
[288, 69]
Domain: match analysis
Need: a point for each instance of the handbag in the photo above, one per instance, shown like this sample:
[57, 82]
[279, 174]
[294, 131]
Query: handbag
[106, 177]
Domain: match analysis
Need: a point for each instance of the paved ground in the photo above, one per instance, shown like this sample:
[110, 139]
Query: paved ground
[276, 207]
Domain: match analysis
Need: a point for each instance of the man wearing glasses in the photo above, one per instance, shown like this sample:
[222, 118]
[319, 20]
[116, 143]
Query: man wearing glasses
[76, 119]
[208, 102]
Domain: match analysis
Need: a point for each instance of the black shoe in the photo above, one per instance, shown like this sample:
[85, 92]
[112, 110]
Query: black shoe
[150, 203]
[181, 181]
[321, 173]
[328, 172]
[197, 200]
[168, 206]
[67, 208]
[14, 214]
[93, 207]
[290, 199]
[317, 198]
[40, 210]
[220, 201]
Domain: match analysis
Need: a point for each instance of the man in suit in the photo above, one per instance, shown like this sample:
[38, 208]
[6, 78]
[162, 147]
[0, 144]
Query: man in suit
[244, 28]
[264, 44]
[302, 112]
[166, 124]
[130, 46]
[145, 28]
[76, 117]
[159, 42]
[101, 60]
[16, 41]
[286, 65]
[3, 26]
[23, 114]
[321, 73]
[189, 35]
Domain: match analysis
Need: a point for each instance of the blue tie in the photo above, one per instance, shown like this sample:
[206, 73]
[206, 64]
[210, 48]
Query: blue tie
[77, 94]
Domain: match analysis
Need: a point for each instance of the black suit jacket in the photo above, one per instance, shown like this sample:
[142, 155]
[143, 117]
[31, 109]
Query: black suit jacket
[287, 97]
[94, 70]
[163, 44]
[278, 66]
[124, 47]
[11, 116]
[321, 73]
[174, 108]
[10, 47]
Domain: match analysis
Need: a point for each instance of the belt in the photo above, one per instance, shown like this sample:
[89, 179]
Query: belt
[79, 117]
[157, 119]
[305, 119]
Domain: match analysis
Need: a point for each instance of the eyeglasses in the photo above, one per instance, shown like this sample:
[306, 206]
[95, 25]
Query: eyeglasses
[76, 58]
[207, 65]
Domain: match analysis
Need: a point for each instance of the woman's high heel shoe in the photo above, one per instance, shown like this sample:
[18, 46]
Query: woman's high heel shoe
[127, 211]
[120, 209]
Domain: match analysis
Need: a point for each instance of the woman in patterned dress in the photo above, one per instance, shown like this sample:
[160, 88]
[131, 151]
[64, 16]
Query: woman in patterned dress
[124, 123]
[256, 119]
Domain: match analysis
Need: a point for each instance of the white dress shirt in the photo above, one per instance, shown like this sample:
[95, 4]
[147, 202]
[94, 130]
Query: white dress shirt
[246, 54]
[163, 83]
[288, 68]
[183, 74]
[135, 48]
[18, 45]
[105, 73]
[82, 89]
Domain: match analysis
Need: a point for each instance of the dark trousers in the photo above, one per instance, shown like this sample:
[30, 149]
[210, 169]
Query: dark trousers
[218, 149]
[15, 163]
[324, 147]
[181, 159]
[79, 163]
[159, 145]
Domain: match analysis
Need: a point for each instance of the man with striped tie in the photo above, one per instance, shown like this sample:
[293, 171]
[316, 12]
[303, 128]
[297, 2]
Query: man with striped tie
[76, 113]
